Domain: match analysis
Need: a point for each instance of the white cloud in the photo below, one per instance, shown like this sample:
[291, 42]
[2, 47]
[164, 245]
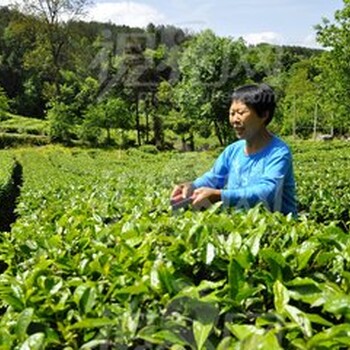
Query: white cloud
[129, 13]
[310, 41]
[263, 37]
[5, 2]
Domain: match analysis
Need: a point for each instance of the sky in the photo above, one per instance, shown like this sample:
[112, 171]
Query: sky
[283, 22]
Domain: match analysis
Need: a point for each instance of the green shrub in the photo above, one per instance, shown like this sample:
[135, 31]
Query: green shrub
[4, 103]
[61, 121]
[149, 149]
[97, 257]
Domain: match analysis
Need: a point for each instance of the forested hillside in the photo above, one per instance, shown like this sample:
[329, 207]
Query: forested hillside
[100, 83]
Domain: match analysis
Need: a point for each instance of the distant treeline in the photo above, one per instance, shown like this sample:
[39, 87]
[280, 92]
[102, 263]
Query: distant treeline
[153, 85]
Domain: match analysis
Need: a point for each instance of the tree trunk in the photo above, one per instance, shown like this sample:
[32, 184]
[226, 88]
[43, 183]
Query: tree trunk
[183, 142]
[138, 120]
[191, 139]
[57, 40]
[315, 122]
[218, 133]
[294, 121]
[158, 131]
[147, 124]
[108, 136]
[332, 125]
[157, 124]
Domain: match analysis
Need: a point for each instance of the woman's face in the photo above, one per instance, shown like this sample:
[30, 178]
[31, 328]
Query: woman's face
[245, 121]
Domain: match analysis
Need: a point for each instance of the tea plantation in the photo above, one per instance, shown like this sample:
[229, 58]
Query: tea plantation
[96, 259]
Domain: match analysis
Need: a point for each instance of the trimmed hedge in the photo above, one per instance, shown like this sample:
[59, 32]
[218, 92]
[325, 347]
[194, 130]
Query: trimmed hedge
[12, 140]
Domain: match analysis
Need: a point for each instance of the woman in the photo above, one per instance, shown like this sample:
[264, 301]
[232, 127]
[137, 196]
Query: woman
[255, 169]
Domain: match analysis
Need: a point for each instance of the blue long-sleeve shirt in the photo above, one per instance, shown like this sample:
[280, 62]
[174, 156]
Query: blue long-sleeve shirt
[266, 176]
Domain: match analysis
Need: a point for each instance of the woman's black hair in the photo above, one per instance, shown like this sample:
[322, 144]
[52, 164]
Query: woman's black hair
[259, 97]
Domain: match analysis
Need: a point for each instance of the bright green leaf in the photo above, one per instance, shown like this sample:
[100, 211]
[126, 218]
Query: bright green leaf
[243, 331]
[34, 342]
[281, 297]
[201, 333]
[93, 323]
[24, 319]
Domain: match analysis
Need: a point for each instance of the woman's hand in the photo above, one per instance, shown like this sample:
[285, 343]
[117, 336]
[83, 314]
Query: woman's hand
[204, 197]
[185, 190]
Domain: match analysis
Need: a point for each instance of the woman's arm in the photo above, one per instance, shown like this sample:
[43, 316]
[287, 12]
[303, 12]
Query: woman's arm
[274, 186]
[216, 177]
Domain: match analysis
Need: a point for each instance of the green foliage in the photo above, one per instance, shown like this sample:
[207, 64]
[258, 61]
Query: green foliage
[149, 149]
[208, 69]
[32, 100]
[61, 122]
[111, 113]
[335, 76]
[7, 163]
[89, 130]
[77, 93]
[4, 103]
[322, 176]
[302, 95]
[8, 140]
[263, 61]
[18, 131]
[24, 125]
[170, 80]
[97, 257]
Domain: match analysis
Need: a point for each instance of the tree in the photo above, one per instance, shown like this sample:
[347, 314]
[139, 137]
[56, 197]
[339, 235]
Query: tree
[50, 19]
[133, 67]
[262, 60]
[335, 109]
[61, 122]
[21, 85]
[209, 68]
[336, 37]
[156, 73]
[78, 93]
[111, 113]
[141, 68]
[301, 97]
